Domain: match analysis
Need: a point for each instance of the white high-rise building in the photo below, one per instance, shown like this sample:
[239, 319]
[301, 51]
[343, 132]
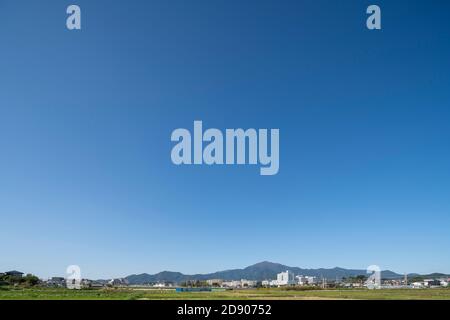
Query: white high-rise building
[285, 278]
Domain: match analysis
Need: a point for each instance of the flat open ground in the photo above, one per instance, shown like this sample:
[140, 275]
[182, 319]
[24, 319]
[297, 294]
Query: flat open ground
[257, 294]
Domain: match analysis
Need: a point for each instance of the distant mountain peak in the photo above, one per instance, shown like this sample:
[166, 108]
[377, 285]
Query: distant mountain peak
[264, 270]
[265, 264]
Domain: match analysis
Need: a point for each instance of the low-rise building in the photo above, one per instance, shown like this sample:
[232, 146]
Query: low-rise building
[56, 282]
[214, 282]
[418, 285]
[305, 280]
[118, 282]
[14, 273]
[86, 283]
[159, 285]
[431, 283]
[248, 283]
[231, 284]
[163, 284]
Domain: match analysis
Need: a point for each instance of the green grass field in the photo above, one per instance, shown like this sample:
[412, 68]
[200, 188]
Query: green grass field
[257, 294]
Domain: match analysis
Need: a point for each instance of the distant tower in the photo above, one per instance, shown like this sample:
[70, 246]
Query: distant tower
[406, 279]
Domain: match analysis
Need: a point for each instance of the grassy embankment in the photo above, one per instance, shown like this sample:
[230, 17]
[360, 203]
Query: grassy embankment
[260, 294]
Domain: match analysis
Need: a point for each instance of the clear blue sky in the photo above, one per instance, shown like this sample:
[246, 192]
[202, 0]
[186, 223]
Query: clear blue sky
[86, 118]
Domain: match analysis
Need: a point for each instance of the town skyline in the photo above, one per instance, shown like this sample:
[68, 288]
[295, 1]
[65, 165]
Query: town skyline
[304, 270]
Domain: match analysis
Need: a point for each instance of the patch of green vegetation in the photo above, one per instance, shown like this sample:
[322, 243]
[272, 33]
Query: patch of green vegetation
[28, 281]
[14, 293]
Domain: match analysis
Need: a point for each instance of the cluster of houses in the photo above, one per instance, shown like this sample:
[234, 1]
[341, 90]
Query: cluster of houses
[283, 279]
[288, 278]
[60, 282]
[431, 283]
[243, 283]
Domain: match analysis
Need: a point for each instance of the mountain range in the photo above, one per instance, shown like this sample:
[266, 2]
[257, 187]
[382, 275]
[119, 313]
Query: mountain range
[260, 271]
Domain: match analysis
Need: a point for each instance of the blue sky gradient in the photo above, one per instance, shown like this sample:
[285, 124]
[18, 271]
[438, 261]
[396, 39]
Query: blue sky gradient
[86, 118]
